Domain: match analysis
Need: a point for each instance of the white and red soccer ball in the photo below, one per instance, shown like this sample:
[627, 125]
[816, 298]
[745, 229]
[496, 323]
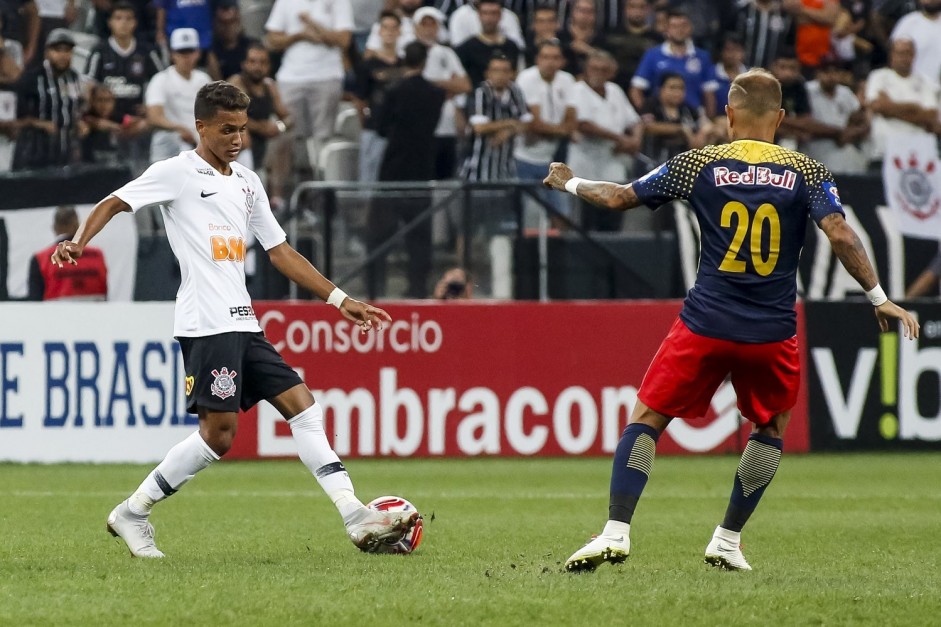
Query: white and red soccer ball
[414, 535]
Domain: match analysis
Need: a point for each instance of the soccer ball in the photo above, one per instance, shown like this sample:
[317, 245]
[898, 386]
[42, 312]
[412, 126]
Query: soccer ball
[414, 536]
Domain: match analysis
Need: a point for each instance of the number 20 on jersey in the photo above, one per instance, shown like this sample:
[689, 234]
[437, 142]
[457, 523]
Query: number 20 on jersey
[765, 217]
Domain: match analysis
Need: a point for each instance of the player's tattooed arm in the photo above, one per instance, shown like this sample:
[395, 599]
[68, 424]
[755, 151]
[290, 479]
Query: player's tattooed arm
[608, 195]
[601, 193]
[849, 250]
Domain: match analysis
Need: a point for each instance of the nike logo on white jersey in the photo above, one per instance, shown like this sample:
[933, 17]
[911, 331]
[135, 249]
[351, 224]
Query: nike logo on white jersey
[207, 195]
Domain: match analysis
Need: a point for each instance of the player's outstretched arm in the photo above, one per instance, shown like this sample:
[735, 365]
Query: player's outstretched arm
[608, 195]
[849, 250]
[69, 251]
[298, 269]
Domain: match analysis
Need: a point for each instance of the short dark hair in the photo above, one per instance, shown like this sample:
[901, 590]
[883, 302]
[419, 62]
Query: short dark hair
[668, 75]
[390, 14]
[219, 95]
[123, 5]
[548, 43]
[671, 13]
[254, 44]
[416, 53]
[480, 2]
[64, 216]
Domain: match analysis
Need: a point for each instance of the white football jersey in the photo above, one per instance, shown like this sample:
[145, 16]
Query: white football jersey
[208, 218]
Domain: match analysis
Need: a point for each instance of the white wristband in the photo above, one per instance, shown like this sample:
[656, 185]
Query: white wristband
[336, 298]
[571, 185]
[876, 295]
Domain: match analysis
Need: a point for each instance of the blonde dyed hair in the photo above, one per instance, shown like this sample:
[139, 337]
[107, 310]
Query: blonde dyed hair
[756, 92]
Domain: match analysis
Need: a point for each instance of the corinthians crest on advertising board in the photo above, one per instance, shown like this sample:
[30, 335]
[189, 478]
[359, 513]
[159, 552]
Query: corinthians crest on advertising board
[911, 176]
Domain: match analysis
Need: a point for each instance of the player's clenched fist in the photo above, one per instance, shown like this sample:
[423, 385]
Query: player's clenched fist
[559, 174]
[66, 251]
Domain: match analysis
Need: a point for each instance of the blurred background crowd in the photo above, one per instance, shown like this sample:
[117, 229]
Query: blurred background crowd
[496, 90]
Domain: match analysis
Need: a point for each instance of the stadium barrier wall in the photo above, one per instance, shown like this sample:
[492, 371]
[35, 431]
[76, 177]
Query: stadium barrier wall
[872, 391]
[104, 382]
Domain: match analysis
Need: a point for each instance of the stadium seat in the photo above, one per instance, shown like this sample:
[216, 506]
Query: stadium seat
[84, 44]
[347, 126]
[339, 161]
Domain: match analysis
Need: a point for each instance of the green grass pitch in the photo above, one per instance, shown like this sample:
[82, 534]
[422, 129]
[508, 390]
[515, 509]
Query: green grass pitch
[838, 540]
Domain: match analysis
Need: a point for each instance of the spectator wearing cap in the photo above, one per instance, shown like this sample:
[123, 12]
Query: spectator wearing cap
[55, 14]
[475, 53]
[49, 106]
[444, 69]
[173, 15]
[406, 10]
[171, 95]
[677, 54]
[466, 22]
[312, 36]
[840, 122]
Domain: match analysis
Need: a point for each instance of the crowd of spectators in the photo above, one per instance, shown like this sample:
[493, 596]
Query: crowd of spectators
[495, 90]
[605, 84]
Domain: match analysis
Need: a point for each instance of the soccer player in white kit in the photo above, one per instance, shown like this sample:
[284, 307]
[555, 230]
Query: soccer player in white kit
[209, 204]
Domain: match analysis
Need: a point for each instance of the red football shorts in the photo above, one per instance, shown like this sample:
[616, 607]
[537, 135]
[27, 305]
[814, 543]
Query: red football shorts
[688, 368]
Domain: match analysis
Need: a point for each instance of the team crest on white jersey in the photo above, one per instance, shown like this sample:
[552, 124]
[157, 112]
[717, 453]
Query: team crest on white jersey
[224, 384]
[249, 199]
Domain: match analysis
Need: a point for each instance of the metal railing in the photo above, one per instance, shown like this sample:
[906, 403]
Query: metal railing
[321, 199]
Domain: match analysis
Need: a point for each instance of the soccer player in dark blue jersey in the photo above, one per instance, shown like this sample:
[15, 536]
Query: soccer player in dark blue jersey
[752, 200]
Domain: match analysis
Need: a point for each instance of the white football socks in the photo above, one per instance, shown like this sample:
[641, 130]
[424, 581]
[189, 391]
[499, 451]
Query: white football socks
[732, 537]
[615, 528]
[179, 466]
[323, 462]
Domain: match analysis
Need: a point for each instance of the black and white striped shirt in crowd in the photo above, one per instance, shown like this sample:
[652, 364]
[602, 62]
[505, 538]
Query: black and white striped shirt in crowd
[487, 162]
[765, 32]
[45, 96]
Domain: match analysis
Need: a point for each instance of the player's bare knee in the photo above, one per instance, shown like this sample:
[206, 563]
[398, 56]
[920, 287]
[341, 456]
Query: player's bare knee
[219, 439]
[776, 426]
[218, 430]
[645, 415]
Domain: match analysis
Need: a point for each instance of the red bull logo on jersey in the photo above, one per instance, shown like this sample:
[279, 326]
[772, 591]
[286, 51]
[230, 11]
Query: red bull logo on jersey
[755, 175]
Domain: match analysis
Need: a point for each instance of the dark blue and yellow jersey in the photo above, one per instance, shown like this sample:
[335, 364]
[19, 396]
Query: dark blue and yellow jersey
[752, 200]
